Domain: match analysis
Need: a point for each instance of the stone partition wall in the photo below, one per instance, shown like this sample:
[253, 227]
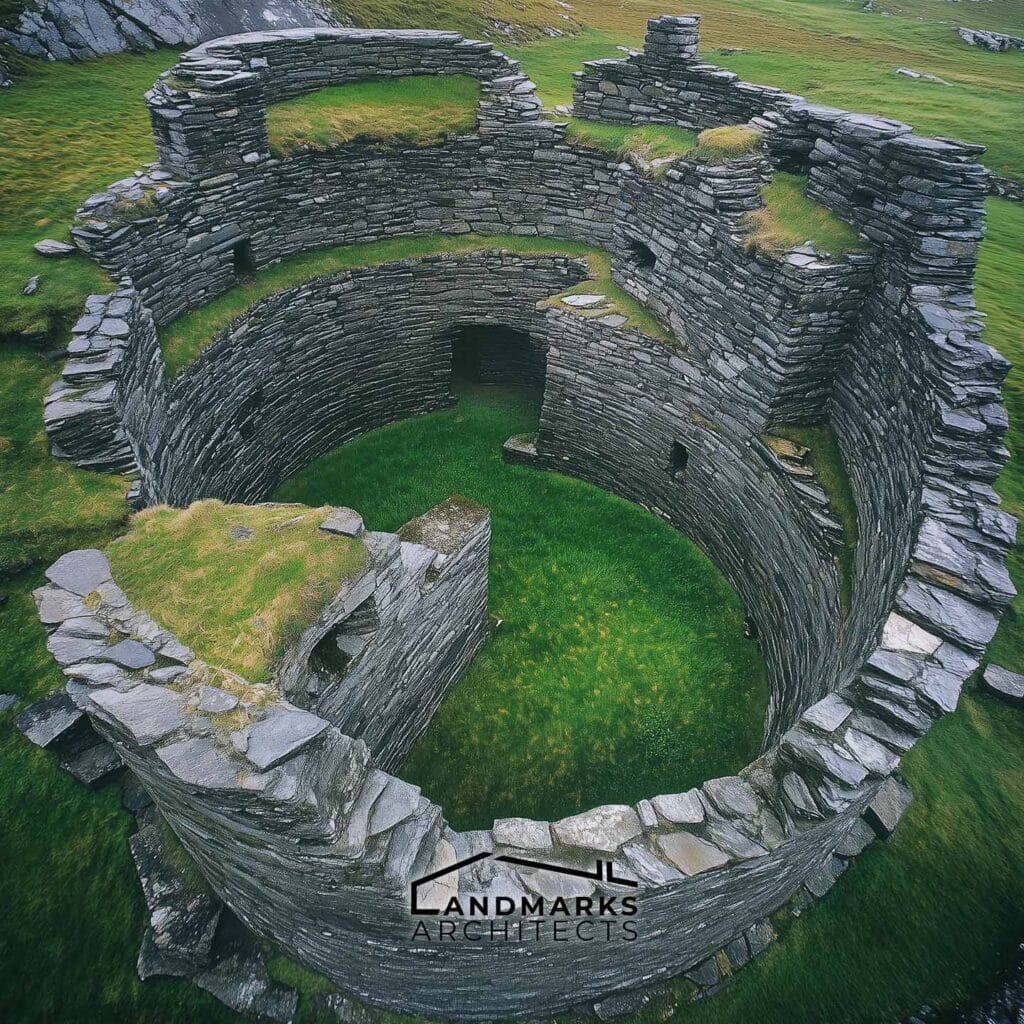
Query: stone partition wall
[318, 852]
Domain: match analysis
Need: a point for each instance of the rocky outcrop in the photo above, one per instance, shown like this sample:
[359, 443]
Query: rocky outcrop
[997, 42]
[83, 29]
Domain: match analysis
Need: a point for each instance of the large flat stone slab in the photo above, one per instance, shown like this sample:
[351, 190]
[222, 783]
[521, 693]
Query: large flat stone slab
[691, 854]
[281, 735]
[80, 572]
[147, 713]
[1004, 683]
[603, 828]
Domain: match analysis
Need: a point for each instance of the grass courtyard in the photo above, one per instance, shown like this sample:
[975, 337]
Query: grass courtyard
[882, 944]
[612, 674]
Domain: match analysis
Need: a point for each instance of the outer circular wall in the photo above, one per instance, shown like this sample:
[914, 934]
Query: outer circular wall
[886, 351]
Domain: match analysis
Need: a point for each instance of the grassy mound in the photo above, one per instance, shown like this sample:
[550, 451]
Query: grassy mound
[789, 218]
[183, 340]
[649, 141]
[233, 582]
[418, 110]
[726, 143]
[615, 674]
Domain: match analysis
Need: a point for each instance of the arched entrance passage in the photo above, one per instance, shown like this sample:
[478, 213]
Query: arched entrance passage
[495, 354]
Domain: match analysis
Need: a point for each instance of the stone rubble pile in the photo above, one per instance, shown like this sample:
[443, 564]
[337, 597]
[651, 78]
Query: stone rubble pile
[997, 42]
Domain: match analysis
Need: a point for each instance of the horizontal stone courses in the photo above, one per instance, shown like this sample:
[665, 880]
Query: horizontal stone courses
[885, 348]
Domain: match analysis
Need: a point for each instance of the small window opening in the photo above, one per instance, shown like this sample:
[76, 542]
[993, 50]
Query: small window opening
[333, 655]
[862, 197]
[641, 256]
[680, 456]
[242, 257]
[247, 413]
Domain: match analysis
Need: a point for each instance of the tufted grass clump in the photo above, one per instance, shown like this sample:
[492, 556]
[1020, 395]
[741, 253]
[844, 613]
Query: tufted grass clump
[648, 141]
[790, 218]
[725, 143]
[233, 582]
[417, 110]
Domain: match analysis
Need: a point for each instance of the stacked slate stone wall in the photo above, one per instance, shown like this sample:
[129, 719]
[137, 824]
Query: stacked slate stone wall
[668, 84]
[312, 844]
[352, 352]
[885, 348]
[209, 115]
[616, 404]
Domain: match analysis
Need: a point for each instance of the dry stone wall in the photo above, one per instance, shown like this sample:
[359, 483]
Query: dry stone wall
[885, 349]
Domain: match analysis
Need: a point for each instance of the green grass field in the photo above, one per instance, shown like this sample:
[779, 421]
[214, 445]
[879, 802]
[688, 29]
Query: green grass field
[926, 917]
[614, 674]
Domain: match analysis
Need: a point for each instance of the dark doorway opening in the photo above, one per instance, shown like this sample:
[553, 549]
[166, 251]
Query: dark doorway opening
[489, 354]
[641, 256]
[242, 258]
[677, 463]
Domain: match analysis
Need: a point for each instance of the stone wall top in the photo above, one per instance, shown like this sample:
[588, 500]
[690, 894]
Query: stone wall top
[209, 111]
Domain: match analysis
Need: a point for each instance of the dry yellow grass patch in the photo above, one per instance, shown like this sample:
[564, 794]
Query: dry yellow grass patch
[725, 143]
[234, 582]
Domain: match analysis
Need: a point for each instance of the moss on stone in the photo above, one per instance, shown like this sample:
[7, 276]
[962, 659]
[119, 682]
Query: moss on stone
[830, 470]
[184, 339]
[233, 582]
[648, 141]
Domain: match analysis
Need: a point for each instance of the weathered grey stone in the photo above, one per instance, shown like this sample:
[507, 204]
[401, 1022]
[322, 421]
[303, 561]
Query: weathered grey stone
[344, 521]
[732, 796]
[147, 713]
[131, 654]
[604, 828]
[821, 881]
[51, 721]
[705, 974]
[214, 701]
[197, 761]
[860, 836]
[680, 808]
[80, 572]
[888, 806]
[281, 735]
[691, 854]
[182, 919]
[522, 833]
[242, 983]
[8, 701]
[759, 937]
[397, 801]
[94, 765]
[53, 248]
[1004, 683]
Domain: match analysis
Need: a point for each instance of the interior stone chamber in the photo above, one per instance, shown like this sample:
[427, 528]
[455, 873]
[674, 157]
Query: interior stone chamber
[882, 347]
